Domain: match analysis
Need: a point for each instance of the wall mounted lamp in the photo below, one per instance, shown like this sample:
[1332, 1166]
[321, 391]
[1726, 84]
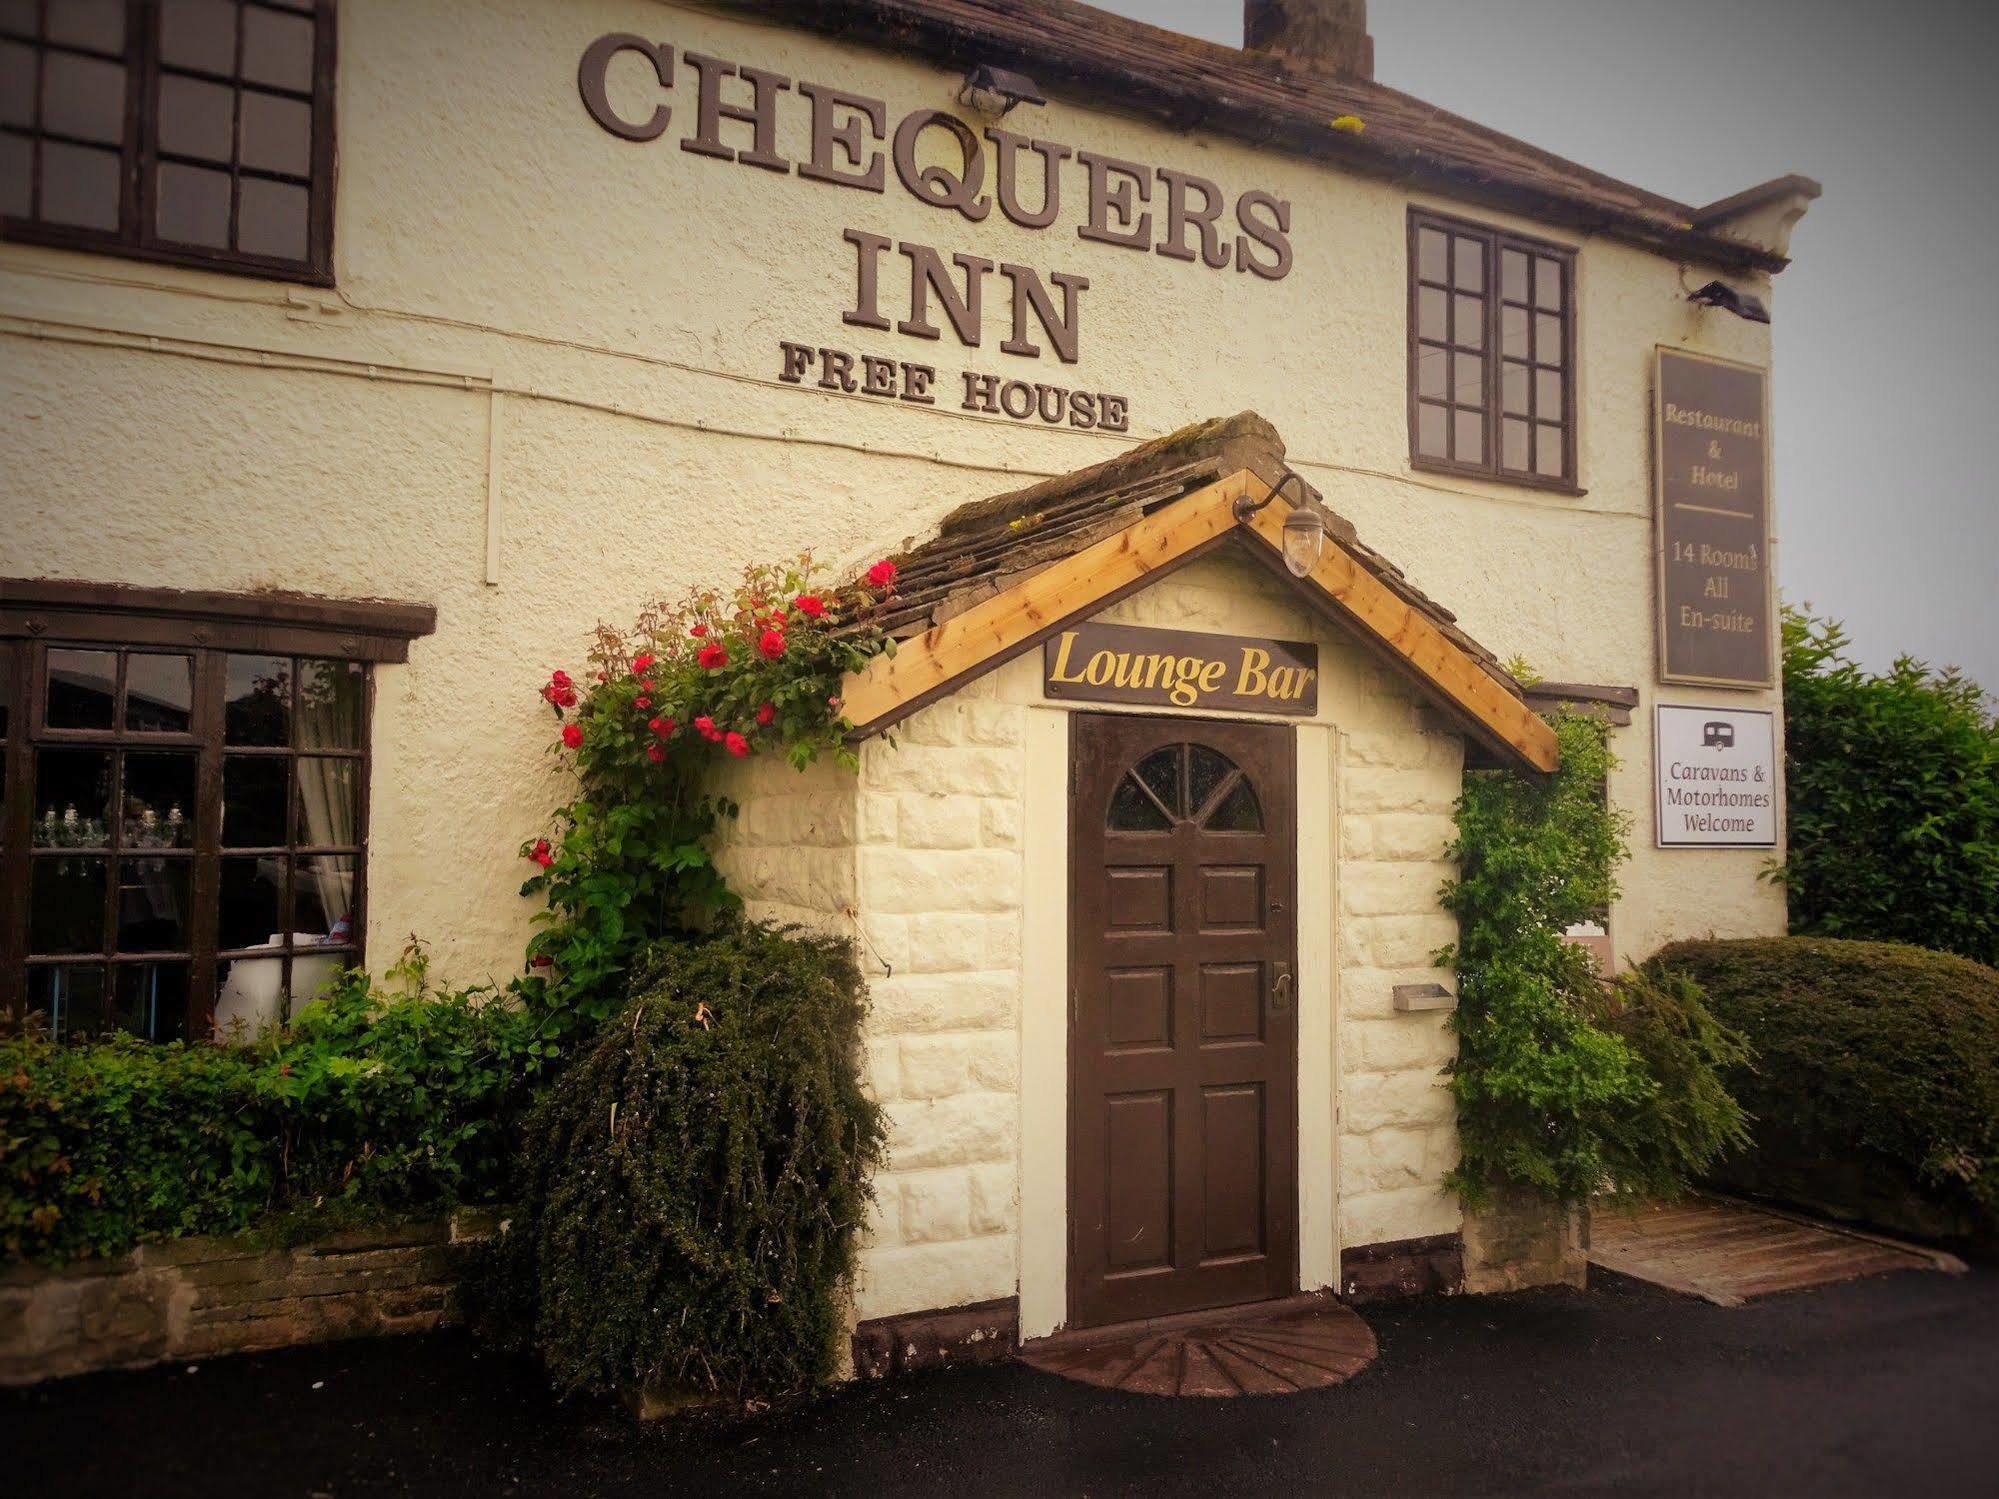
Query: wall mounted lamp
[996, 91]
[1728, 299]
[1304, 527]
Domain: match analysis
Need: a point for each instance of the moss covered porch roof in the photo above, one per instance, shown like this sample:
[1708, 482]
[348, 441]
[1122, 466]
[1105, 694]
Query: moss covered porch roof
[1002, 574]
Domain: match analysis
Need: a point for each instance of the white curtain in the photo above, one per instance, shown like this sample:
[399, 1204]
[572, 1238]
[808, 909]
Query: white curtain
[327, 799]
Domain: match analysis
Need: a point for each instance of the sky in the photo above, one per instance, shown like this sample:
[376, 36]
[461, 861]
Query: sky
[1885, 389]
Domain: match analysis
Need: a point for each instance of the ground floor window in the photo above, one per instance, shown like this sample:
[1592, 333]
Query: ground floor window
[183, 826]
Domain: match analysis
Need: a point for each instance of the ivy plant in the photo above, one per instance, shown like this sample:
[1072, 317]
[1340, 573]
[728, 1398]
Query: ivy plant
[1566, 1085]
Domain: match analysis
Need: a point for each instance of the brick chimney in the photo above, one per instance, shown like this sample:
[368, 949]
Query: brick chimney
[1319, 36]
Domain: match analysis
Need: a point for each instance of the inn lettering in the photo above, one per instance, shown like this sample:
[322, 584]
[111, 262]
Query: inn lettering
[731, 111]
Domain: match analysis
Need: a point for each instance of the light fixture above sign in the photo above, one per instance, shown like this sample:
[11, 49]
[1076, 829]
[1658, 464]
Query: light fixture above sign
[996, 91]
[1304, 527]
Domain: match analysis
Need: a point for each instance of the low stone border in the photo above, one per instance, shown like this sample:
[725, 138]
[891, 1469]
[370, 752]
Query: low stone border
[203, 1297]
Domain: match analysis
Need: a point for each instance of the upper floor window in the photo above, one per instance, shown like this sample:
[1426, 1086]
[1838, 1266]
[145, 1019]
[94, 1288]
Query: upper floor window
[183, 802]
[193, 131]
[1492, 340]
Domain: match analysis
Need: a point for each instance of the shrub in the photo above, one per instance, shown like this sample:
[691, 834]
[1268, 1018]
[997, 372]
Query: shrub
[698, 1177]
[1689, 1120]
[1893, 795]
[1561, 1088]
[108, 1144]
[372, 1101]
[1876, 1092]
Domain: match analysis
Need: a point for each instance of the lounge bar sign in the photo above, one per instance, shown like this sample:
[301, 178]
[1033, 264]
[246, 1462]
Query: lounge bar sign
[1713, 452]
[1182, 669]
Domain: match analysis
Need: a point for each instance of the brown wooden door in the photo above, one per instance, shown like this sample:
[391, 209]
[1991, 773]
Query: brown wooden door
[1183, 1035]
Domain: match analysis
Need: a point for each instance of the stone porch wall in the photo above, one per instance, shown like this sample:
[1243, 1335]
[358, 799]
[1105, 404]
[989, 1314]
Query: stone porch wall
[790, 850]
[940, 883]
[1398, 1130]
[204, 1297]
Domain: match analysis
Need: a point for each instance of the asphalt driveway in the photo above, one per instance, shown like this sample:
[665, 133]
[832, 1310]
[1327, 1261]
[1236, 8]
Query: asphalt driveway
[1887, 1386]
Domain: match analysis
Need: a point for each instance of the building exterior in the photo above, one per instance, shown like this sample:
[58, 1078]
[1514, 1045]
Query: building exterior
[361, 357]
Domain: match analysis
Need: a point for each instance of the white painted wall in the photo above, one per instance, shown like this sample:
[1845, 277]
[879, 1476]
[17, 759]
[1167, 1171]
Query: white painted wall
[562, 346]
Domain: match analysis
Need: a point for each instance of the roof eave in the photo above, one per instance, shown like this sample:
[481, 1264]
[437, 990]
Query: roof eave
[908, 26]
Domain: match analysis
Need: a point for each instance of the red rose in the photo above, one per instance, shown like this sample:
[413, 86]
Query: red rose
[559, 678]
[810, 605]
[705, 727]
[738, 745]
[543, 960]
[559, 694]
[642, 701]
[541, 853]
[655, 754]
[713, 655]
[698, 631]
[772, 645]
[657, 725]
[765, 714]
[882, 574]
[664, 727]
[640, 663]
[572, 735]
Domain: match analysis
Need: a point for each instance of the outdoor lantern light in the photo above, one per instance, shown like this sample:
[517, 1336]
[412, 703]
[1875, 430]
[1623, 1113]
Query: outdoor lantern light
[1741, 303]
[995, 91]
[1304, 539]
[1304, 527]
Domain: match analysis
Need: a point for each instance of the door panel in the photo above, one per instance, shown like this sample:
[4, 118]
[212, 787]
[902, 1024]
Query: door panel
[1183, 1045]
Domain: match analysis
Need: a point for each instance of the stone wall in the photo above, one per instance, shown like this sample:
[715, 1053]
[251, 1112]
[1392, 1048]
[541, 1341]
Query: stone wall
[1398, 1123]
[1519, 1239]
[940, 883]
[201, 1298]
[790, 851]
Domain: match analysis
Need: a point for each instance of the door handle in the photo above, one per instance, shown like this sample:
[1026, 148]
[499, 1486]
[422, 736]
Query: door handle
[1281, 986]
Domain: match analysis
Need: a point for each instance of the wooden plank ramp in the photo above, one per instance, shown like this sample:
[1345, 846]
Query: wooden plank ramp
[1728, 1251]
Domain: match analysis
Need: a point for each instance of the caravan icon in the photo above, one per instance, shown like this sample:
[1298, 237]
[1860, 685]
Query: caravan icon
[1716, 734]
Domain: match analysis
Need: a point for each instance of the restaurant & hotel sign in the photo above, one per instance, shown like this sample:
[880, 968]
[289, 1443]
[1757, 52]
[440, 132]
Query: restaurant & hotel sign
[1712, 441]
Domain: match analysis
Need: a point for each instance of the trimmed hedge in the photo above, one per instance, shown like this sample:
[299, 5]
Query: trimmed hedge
[1875, 1093]
[698, 1179]
[368, 1104]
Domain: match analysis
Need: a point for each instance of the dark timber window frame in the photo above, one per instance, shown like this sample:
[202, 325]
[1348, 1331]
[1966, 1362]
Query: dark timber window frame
[38, 616]
[141, 155]
[1494, 304]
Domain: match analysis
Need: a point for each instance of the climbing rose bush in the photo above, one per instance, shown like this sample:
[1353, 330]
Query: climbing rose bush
[719, 676]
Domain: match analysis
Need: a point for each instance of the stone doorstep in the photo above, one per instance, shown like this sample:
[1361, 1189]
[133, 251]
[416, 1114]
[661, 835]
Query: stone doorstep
[983, 1333]
[1429, 1266]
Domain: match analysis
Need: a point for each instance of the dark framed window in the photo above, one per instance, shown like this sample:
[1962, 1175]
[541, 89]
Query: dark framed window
[183, 839]
[1492, 353]
[193, 131]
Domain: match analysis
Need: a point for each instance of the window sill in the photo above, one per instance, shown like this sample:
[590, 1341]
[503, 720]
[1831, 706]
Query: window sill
[92, 242]
[1565, 487]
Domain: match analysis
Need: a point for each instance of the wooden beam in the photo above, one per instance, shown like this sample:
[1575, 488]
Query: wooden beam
[891, 687]
[999, 628]
[1410, 635]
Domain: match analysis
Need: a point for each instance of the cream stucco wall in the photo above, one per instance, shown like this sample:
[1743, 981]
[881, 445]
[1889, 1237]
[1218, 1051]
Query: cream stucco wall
[544, 391]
